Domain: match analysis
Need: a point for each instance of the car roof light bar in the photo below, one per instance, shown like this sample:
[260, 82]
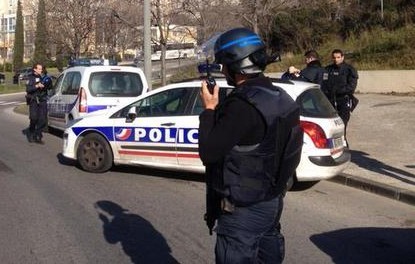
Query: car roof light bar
[91, 62]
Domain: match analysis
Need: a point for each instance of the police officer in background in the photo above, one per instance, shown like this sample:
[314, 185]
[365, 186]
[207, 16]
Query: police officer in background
[36, 95]
[250, 144]
[340, 86]
[313, 72]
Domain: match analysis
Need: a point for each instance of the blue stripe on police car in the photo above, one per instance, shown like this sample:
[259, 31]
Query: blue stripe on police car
[146, 134]
[157, 135]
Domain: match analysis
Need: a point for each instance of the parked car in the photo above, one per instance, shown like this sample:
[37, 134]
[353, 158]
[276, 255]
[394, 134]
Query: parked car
[90, 85]
[24, 73]
[160, 129]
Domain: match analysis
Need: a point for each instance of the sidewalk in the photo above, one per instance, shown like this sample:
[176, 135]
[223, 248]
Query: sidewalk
[381, 136]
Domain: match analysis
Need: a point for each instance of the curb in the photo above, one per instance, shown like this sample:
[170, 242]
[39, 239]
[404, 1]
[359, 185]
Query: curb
[378, 188]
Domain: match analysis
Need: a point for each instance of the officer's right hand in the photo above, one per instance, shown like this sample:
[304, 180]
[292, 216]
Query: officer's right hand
[293, 70]
[210, 101]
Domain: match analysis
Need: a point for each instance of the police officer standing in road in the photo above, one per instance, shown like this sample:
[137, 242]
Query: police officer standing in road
[36, 96]
[250, 144]
[340, 86]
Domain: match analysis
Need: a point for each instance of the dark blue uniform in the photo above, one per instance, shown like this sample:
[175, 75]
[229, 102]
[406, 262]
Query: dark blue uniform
[250, 145]
[340, 87]
[313, 73]
[37, 100]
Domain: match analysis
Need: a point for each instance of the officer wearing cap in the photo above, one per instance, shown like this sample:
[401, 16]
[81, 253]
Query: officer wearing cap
[250, 144]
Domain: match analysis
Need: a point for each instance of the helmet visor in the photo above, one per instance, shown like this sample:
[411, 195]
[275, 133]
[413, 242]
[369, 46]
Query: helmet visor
[207, 49]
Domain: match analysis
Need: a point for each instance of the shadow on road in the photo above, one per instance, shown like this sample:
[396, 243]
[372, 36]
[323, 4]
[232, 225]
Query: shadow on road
[368, 245]
[363, 160]
[138, 238]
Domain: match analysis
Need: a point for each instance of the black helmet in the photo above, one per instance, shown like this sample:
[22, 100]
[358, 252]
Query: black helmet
[241, 50]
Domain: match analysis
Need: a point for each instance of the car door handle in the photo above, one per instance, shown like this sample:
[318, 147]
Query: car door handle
[57, 100]
[168, 124]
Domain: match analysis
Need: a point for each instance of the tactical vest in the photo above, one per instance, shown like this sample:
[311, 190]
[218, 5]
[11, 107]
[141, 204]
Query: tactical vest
[251, 174]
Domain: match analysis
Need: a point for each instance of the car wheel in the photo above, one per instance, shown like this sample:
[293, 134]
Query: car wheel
[94, 154]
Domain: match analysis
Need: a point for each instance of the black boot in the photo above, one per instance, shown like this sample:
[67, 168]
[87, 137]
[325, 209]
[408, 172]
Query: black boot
[38, 139]
[29, 135]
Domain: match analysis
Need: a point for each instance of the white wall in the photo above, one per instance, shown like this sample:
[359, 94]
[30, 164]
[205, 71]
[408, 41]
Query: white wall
[398, 81]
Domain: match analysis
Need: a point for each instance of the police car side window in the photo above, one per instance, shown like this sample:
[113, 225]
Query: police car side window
[58, 83]
[71, 83]
[166, 103]
[198, 106]
[313, 103]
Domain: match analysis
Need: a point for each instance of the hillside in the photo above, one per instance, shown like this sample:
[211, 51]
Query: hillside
[378, 49]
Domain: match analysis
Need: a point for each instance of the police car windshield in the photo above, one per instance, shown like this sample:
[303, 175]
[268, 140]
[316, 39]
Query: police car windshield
[121, 84]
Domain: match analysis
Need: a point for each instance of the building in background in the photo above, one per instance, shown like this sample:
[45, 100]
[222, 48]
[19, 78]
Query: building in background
[109, 37]
[8, 9]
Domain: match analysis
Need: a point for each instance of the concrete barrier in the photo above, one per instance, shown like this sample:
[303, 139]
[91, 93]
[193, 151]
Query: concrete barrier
[399, 81]
[388, 81]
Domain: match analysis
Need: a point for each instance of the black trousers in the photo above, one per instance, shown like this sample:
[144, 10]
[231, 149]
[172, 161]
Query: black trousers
[343, 109]
[38, 118]
[251, 234]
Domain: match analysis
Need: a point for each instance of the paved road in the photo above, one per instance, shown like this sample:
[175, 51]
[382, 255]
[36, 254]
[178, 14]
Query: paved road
[7, 100]
[55, 213]
[381, 137]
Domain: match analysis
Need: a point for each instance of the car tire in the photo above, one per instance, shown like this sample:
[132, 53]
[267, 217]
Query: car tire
[94, 154]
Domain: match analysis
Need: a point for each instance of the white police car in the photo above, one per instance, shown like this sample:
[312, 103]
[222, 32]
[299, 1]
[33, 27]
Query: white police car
[89, 85]
[160, 129]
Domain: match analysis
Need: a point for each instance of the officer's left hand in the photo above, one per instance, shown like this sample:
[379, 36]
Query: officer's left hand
[210, 101]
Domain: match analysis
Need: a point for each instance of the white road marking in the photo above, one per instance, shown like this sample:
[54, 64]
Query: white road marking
[10, 103]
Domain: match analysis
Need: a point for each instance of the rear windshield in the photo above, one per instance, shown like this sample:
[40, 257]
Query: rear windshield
[313, 103]
[119, 84]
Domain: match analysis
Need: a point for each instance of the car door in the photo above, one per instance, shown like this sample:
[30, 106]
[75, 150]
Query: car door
[150, 138]
[64, 99]
[69, 95]
[187, 146]
[55, 115]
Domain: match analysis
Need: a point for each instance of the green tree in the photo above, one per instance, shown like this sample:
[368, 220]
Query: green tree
[19, 39]
[41, 37]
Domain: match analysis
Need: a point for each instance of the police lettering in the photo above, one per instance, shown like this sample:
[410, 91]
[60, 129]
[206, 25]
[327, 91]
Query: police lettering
[166, 135]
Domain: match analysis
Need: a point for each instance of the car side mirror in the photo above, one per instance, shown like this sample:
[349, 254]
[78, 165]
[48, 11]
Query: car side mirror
[132, 114]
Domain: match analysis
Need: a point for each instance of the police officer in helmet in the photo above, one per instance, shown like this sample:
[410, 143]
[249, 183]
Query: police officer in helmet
[250, 144]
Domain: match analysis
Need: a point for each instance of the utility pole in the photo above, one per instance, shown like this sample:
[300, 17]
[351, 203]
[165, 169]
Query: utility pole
[147, 42]
[381, 9]
[4, 50]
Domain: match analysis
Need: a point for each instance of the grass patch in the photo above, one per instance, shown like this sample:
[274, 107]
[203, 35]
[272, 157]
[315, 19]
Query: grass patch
[185, 73]
[378, 49]
[21, 109]
[11, 88]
